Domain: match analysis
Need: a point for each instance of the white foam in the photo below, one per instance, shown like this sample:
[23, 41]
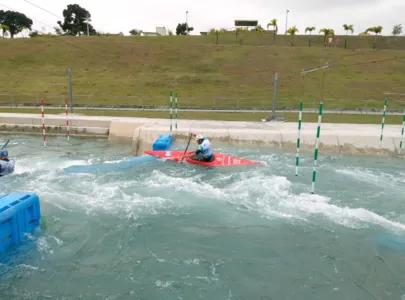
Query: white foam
[256, 191]
[29, 267]
[114, 161]
[39, 164]
[272, 196]
[191, 185]
[70, 163]
[194, 261]
[163, 284]
[346, 216]
[369, 176]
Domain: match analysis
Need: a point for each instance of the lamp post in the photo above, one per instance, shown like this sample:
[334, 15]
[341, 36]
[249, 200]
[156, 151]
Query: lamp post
[187, 22]
[286, 20]
[87, 24]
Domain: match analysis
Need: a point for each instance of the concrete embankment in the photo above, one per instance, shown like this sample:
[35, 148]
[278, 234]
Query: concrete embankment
[350, 139]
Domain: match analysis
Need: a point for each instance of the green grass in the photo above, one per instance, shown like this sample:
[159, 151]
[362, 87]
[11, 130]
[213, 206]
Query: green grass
[222, 116]
[142, 70]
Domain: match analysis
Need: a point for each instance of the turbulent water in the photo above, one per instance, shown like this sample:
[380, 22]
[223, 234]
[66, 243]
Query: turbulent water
[167, 231]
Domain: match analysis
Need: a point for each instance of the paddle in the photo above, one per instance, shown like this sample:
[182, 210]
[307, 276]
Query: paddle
[185, 151]
[5, 145]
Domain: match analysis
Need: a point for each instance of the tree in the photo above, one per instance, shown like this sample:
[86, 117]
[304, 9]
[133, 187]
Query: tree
[58, 31]
[216, 32]
[259, 29]
[310, 29]
[182, 29]
[397, 29]
[76, 21]
[135, 32]
[240, 31]
[273, 23]
[347, 28]
[4, 28]
[326, 32]
[14, 22]
[34, 34]
[376, 30]
[292, 31]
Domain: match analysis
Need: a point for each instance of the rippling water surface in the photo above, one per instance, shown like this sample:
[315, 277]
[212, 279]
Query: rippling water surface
[168, 231]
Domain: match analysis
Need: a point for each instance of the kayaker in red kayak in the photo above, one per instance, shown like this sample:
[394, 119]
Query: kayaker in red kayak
[203, 152]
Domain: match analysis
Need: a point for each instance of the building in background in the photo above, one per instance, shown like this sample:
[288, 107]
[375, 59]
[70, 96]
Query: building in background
[160, 31]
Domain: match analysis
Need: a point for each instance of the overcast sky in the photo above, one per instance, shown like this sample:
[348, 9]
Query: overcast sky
[124, 15]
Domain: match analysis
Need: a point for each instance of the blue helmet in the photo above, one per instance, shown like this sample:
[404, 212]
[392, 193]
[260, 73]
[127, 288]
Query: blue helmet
[4, 152]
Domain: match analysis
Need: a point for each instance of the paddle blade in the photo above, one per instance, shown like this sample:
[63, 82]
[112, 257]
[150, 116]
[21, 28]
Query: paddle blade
[5, 145]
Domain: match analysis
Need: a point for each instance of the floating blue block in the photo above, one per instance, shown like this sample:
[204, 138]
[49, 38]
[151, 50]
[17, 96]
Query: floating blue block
[19, 214]
[163, 142]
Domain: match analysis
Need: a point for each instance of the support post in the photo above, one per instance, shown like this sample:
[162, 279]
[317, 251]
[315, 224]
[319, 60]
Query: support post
[67, 121]
[43, 123]
[273, 109]
[70, 89]
[275, 95]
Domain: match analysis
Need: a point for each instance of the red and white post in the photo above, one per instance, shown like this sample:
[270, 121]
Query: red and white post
[67, 121]
[43, 122]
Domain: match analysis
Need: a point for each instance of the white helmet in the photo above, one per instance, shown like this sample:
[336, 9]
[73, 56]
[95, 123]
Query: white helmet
[199, 137]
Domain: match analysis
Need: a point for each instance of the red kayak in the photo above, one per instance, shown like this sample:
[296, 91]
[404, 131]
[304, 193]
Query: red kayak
[221, 160]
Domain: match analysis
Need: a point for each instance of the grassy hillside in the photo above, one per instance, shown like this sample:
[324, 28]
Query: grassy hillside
[266, 38]
[203, 73]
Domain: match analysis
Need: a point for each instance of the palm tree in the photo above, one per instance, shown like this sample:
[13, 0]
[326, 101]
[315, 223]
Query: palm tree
[310, 29]
[273, 23]
[239, 31]
[376, 30]
[259, 29]
[347, 28]
[217, 32]
[292, 31]
[326, 32]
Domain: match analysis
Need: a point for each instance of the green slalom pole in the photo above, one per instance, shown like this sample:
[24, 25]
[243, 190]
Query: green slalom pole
[318, 132]
[383, 121]
[171, 109]
[175, 109]
[297, 155]
[402, 132]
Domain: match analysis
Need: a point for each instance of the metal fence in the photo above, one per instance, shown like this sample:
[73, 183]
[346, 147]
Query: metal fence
[198, 103]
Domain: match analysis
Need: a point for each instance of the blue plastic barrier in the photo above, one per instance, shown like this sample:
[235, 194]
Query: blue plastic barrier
[164, 142]
[20, 213]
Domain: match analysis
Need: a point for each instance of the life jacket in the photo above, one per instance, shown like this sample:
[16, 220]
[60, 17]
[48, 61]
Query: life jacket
[6, 167]
[205, 148]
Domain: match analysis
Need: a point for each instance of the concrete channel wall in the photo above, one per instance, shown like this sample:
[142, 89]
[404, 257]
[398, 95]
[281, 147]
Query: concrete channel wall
[348, 139]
